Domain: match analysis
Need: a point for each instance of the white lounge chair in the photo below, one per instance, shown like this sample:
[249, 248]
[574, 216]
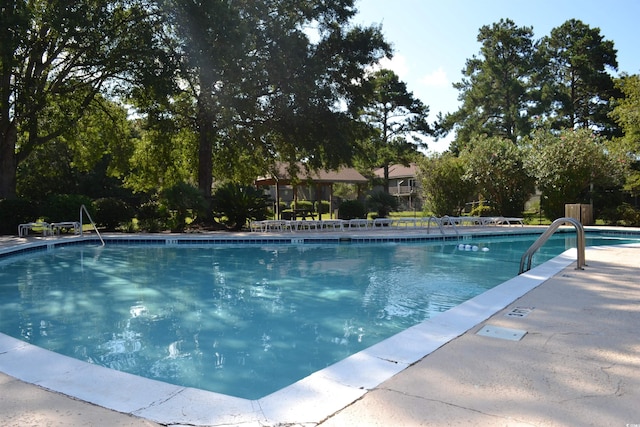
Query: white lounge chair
[332, 224]
[56, 227]
[45, 227]
[382, 222]
[359, 223]
[509, 221]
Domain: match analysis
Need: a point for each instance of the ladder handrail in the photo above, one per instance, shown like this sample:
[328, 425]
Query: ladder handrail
[528, 255]
[83, 207]
[437, 222]
[452, 223]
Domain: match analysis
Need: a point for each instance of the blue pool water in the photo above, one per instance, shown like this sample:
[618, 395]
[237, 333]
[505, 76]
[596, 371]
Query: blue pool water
[243, 320]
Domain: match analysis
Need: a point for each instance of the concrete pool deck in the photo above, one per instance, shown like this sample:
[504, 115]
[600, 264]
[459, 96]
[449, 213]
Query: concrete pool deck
[577, 364]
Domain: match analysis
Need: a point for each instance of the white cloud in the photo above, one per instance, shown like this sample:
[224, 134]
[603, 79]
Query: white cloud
[437, 78]
[397, 64]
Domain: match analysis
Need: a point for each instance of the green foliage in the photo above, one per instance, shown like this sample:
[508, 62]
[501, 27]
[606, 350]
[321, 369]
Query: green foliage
[396, 119]
[628, 215]
[482, 210]
[65, 207]
[352, 209]
[345, 191]
[576, 87]
[253, 89]
[161, 153]
[496, 166]
[58, 60]
[627, 112]
[627, 115]
[382, 203]
[235, 204]
[112, 212]
[623, 214]
[46, 171]
[181, 200]
[322, 206]
[102, 132]
[567, 164]
[17, 211]
[561, 80]
[302, 204]
[496, 87]
[152, 216]
[54, 167]
[445, 188]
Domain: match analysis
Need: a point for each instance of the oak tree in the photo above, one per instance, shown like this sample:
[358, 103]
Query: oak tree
[55, 58]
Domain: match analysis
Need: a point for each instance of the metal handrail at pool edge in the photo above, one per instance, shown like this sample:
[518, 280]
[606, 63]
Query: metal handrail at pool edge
[555, 225]
[82, 207]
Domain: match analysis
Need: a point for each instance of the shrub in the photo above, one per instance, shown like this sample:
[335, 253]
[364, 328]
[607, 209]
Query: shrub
[65, 207]
[482, 210]
[382, 203]
[234, 204]
[112, 212]
[323, 207]
[302, 204]
[628, 215]
[16, 211]
[152, 217]
[182, 200]
[352, 209]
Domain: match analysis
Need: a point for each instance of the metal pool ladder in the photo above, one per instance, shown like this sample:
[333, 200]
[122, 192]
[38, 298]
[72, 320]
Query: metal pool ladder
[83, 208]
[525, 261]
[439, 222]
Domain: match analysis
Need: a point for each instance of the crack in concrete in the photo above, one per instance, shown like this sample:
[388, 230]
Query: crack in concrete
[453, 405]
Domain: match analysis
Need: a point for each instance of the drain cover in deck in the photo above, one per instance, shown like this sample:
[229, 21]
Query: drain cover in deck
[502, 333]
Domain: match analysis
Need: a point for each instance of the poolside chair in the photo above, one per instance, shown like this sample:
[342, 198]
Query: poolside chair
[44, 227]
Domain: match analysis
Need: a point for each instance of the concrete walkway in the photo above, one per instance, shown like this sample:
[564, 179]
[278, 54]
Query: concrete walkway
[577, 365]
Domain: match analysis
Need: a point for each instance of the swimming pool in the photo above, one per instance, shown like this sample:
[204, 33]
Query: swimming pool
[254, 290]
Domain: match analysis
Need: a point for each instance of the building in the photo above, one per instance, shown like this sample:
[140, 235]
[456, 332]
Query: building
[404, 184]
[314, 186]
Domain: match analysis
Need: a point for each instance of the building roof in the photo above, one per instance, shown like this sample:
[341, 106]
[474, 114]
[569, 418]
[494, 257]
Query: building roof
[398, 171]
[343, 175]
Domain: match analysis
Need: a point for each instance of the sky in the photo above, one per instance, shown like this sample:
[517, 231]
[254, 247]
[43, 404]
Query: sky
[432, 39]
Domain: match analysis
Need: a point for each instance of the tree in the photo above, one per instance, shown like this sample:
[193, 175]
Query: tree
[626, 114]
[55, 57]
[567, 165]
[255, 88]
[495, 90]
[398, 122]
[496, 166]
[89, 158]
[445, 188]
[577, 88]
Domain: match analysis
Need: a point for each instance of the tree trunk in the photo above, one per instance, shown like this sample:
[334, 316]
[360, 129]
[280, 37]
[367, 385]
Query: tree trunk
[386, 178]
[8, 163]
[206, 135]
[205, 161]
